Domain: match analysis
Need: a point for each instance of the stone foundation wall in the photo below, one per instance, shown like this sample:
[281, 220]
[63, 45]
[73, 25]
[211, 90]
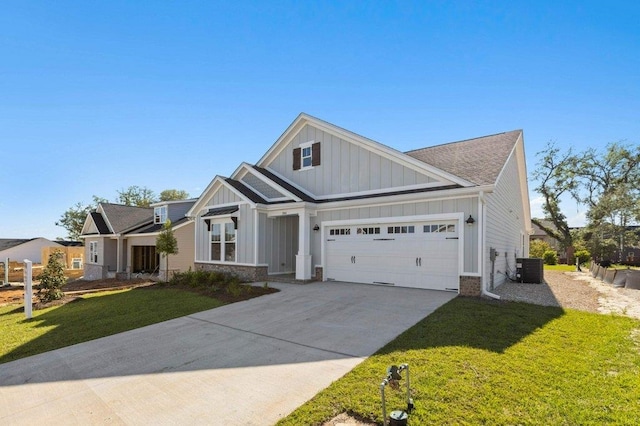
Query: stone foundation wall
[318, 276]
[245, 273]
[94, 272]
[470, 286]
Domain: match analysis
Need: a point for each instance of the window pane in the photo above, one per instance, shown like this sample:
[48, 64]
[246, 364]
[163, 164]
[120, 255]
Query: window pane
[215, 251]
[229, 232]
[215, 232]
[306, 157]
[216, 245]
[160, 214]
[230, 252]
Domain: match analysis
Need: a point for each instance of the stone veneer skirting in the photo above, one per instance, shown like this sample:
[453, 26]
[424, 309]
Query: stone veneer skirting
[244, 272]
[470, 286]
[318, 276]
[94, 272]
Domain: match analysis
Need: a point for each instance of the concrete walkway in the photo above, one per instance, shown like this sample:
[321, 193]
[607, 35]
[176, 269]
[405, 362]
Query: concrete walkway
[249, 363]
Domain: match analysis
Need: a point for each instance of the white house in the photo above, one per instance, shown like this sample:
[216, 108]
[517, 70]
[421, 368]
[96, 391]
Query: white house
[18, 250]
[327, 204]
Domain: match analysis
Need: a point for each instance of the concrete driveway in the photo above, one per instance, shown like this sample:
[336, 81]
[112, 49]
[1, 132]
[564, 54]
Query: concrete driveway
[249, 363]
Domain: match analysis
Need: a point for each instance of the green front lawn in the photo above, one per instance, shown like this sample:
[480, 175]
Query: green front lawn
[484, 362]
[563, 268]
[95, 315]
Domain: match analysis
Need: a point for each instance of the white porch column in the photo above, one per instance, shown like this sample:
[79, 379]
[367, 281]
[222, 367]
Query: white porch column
[120, 254]
[303, 258]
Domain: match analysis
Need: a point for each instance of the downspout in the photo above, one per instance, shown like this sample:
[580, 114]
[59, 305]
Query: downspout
[481, 227]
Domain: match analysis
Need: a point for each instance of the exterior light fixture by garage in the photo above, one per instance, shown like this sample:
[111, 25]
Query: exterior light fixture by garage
[316, 228]
[470, 220]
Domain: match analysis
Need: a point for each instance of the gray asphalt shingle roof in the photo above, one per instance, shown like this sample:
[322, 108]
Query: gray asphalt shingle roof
[7, 243]
[123, 218]
[477, 160]
[150, 228]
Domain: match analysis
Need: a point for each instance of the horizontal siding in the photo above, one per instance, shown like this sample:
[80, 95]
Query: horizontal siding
[183, 260]
[505, 223]
[345, 167]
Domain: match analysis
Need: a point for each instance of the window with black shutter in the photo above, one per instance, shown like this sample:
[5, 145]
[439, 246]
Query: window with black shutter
[307, 155]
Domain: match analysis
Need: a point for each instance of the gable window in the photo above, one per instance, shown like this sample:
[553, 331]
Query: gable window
[307, 155]
[160, 214]
[223, 242]
[93, 251]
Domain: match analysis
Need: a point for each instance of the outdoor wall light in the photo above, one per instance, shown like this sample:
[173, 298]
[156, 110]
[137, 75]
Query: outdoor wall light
[316, 227]
[470, 220]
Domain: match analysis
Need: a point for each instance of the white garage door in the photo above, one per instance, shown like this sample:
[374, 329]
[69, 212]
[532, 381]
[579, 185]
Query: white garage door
[421, 254]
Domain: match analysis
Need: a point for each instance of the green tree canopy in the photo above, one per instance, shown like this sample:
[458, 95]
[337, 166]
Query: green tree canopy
[607, 183]
[73, 219]
[136, 196]
[173, 195]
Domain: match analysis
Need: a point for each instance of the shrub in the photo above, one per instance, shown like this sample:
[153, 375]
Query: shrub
[537, 248]
[550, 257]
[52, 279]
[606, 263]
[213, 280]
[583, 256]
[234, 288]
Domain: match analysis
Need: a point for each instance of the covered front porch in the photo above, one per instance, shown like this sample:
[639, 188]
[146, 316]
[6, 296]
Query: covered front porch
[288, 235]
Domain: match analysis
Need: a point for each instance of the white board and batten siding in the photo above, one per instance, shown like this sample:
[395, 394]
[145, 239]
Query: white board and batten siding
[245, 234]
[346, 167]
[278, 243]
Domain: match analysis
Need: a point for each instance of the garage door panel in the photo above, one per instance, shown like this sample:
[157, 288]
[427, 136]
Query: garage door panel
[415, 255]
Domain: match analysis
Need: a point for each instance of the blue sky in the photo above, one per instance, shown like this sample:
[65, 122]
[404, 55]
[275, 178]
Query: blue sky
[98, 96]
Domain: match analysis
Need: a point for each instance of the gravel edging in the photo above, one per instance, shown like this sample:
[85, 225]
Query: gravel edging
[574, 290]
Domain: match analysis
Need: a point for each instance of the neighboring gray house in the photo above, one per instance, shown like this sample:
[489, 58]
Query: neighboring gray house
[327, 204]
[121, 239]
[17, 250]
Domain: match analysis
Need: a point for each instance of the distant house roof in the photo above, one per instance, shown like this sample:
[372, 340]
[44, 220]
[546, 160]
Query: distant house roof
[102, 226]
[539, 232]
[122, 218]
[150, 228]
[7, 243]
[479, 160]
[69, 243]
